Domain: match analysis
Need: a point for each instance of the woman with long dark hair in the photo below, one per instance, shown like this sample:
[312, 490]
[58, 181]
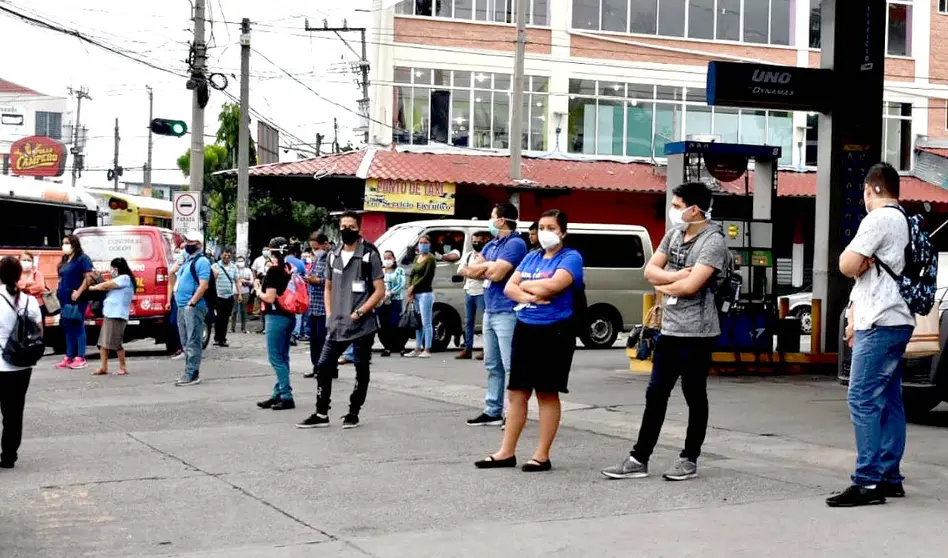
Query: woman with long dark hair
[75, 271]
[115, 310]
[421, 292]
[279, 324]
[14, 380]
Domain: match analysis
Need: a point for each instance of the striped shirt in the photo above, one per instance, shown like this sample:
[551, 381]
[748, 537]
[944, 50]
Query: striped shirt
[317, 304]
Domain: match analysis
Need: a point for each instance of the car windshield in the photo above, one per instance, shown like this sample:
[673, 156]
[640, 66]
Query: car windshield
[398, 238]
[104, 246]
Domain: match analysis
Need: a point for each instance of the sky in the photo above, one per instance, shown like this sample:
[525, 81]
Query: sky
[158, 32]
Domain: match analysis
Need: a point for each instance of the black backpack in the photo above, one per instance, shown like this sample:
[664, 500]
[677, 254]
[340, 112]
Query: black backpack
[210, 295]
[726, 284]
[25, 346]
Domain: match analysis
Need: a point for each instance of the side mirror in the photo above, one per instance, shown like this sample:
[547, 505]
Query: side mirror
[457, 279]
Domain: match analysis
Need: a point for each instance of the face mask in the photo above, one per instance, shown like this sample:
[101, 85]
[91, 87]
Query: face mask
[114, 272]
[389, 263]
[349, 236]
[424, 248]
[240, 265]
[27, 265]
[191, 249]
[494, 229]
[548, 239]
[67, 249]
[477, 246]
[308, 260]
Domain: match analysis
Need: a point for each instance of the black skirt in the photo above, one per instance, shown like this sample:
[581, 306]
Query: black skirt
[541, 357]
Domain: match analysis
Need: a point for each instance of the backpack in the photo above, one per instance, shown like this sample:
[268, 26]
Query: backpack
[25, 346]
[295, 298]
[725, 284]
[365, 273]
[918, 281]
[210, 295]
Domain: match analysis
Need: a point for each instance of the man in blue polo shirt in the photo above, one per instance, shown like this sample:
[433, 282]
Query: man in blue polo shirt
[191, 282]
[496, 263]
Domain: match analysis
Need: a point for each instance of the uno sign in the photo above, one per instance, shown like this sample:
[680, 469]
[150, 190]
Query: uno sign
[38, 156]
[739, 84]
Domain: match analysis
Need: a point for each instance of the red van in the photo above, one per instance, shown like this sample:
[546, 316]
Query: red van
[150, 254]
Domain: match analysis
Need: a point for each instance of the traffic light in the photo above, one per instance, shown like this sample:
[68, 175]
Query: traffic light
[165, 127]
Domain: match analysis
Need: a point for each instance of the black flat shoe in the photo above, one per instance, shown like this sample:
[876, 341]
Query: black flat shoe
[310, 374]
[284, 405]
[269, 403]
[490, 463]
[534, 466]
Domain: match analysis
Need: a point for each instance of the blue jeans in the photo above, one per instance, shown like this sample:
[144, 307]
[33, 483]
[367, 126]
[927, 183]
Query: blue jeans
[75, 333]
[424, 304]
[498, 339]
[191, 330]
[279, 331]
[472, 304]
[875, 403]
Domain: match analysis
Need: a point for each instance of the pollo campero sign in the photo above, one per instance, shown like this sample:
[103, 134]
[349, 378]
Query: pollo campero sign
[38, 156]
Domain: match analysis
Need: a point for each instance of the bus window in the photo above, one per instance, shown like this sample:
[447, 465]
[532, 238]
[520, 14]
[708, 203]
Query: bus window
[36, 225]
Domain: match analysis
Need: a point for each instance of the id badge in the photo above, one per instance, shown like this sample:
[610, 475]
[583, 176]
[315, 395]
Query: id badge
[358, 287]
[486, 283]
[672, 300]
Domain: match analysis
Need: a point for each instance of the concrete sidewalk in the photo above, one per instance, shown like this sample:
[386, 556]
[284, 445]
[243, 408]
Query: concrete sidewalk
[137, 467]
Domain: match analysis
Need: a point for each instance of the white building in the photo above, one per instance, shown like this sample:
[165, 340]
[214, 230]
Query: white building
[24, 113]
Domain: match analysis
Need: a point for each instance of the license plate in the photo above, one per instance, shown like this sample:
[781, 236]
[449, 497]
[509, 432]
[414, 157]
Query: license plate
[133, 322]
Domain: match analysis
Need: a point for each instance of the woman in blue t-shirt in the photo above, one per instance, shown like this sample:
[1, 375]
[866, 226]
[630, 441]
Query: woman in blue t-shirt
[115, 311]
[544, 286]
[74, 278]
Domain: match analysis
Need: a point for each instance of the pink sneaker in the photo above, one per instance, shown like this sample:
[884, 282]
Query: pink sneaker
[78, 364]
[64, 363]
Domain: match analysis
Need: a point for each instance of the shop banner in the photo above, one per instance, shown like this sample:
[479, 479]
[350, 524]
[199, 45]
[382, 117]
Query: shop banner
[405, 196]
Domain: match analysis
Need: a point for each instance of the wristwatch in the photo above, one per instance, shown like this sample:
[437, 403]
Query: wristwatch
[360, 313]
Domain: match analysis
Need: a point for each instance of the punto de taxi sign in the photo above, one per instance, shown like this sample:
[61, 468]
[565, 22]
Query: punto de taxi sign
[37, 156]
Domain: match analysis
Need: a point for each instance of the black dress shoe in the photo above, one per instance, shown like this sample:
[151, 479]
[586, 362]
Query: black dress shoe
[6, 464]
[534, 466]
[269, 403]
[490, 463]
[284, 405]
[893, 489]
[856, 496]
[310, 374]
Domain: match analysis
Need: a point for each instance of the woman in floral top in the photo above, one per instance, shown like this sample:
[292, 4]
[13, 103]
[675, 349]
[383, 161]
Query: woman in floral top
[391, 310]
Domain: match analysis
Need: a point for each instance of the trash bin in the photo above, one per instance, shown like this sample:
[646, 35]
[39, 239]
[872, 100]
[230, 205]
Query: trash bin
[788, 335]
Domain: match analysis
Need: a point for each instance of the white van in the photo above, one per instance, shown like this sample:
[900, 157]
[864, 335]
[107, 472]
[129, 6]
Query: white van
[614, 255]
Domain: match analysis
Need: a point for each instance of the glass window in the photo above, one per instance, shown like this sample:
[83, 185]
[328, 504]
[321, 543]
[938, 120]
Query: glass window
[815, 23]
[726, 124]
[615, 15]
[405, 7]
[899, 30]
[697, 120]
[701, 19]
[943, 6]
[49, 124]
[780, 132]
[423, 7]
[440, 115]
[482, 80]
[442, 77]
[502, 11]
[644, 16]
[502, 82]
[665, 93]
[501, 120]
[464, 9]
[481, 12]
[460, 118]
[640, 91]
[541, 12]
[582, 86]
[420, 116]
[729, 20]
[611, 123]
[540, 84]
[638, 119]
[402, 114]
[402, 75]
[611, 251]
[697, 94]
[668, 120]
[462, 79]
[586, 14]
[780, 22]
[581, 121]
[538, 123]
[898, 135]
[754, 127]
[671, 18]
[482, 119]
[810, 157]
[422, 76]
[756, 20]
[611, 89]
[443, 8]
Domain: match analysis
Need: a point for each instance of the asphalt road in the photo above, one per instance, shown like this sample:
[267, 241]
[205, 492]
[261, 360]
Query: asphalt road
[133, 466]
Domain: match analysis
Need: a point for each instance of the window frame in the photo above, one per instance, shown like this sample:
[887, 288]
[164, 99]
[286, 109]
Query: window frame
[943, 7]
[509, 7]
[887, 120]
[909, 23]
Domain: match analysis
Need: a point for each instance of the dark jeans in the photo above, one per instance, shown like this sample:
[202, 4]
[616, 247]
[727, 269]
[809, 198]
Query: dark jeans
[13, 386]
[690, 358]
[317, 326]
[389, 316]
[225, 307]
[472, 305]
[174, 338]
[328, 368]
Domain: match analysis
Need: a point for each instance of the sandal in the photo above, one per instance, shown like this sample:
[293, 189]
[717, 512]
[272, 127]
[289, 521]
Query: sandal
[534, 466]
[122, 372]
[100, 372]
[490, 463]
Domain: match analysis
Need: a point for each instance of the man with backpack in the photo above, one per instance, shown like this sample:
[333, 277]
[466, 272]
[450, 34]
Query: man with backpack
[894, 266]
[192, 281]
[354, 288]
[684, 268]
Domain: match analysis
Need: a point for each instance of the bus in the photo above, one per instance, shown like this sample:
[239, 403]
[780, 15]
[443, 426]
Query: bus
[118, 208]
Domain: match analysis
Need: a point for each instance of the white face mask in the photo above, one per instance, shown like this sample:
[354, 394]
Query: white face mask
[549, 239]
[241, 265]
[676, 216]
[388, 263]
[27, 265]
[67, 249]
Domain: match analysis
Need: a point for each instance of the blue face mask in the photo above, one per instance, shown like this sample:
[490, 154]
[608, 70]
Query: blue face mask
[424, 248]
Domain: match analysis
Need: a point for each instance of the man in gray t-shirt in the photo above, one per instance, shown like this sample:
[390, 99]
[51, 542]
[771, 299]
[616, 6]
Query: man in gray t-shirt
[879, 329]
[683, 270]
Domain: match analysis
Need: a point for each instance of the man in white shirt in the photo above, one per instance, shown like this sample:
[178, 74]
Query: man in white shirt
[880, 328]
[473, 296]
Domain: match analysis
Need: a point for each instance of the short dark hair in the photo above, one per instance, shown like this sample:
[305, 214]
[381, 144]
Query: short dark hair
[10, 272]
[560, 217]
[508, 212]
[352, 215]
[319, 238]
[536, 225]
[227, 250]
[481, 234]
[884, 179]
[694, 193]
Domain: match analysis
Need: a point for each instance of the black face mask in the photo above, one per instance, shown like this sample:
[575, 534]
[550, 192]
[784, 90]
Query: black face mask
[191, 248]
[477, 246]
[349, 236]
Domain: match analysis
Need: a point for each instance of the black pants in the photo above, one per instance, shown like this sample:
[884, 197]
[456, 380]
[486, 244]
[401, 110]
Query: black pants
[328, 368]
[13, 386]
[690, 358]
[389, 333]
[317, 338]
[222, 312]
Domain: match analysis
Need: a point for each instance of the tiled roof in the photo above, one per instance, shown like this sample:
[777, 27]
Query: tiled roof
[494, 170]
[10, 87]
[940, 151]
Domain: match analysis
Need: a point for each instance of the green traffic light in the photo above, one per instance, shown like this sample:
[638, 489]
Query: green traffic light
[179, 128]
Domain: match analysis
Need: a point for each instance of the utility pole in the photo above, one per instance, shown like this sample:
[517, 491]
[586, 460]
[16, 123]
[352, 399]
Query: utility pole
[151, 116]
[363, 66]
[516, 99]
[335, 135]
[319, 144]
[243, 144]
[77, 156]
[115, 158]
[198, 85]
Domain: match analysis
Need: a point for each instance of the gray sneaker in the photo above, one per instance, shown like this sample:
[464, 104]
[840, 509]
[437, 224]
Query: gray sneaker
[187, 381]
[628, 469]
[683, 469]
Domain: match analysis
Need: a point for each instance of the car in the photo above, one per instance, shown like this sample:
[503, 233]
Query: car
[801, 307]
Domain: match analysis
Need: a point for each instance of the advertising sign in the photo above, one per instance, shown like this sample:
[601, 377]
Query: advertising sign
[741, 84]
[37, 156]
[404, 196]
[187, 212]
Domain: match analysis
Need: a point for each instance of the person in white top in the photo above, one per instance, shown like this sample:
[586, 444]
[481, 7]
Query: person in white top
[473, 296]
[879, 329]
[14, 380]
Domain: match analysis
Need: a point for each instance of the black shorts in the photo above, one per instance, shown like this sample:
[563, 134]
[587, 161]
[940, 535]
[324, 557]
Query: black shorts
[541, 357]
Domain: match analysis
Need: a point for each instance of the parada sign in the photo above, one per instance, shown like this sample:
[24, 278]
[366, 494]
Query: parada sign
[37, 156]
